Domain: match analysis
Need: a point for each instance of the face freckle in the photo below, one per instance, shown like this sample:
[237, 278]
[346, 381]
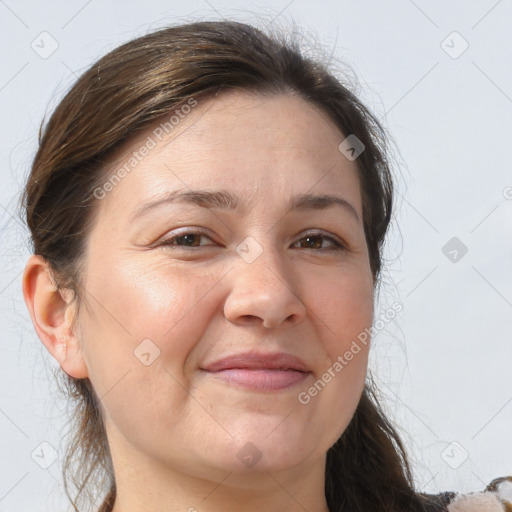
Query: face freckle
[234, 281]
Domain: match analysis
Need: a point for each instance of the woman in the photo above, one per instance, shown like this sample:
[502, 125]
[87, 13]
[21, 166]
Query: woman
[208, 209]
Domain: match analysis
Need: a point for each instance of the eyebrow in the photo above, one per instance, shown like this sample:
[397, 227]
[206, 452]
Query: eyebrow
[226, 200]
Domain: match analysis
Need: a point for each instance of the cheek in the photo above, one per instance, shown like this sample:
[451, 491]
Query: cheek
[342, 307]
[141, 328]
[143, 320]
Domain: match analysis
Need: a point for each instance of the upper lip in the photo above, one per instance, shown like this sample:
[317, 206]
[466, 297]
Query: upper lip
[257, 361]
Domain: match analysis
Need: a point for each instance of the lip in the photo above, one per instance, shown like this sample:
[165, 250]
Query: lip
[258, 361]
[263, 372]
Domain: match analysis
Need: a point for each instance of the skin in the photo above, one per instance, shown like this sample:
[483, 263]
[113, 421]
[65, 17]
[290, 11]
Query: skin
[175, 431]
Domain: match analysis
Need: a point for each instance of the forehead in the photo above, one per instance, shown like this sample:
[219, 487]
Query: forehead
[272, 143]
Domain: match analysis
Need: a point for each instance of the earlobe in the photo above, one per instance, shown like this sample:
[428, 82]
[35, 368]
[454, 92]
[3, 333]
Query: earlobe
[51, 311]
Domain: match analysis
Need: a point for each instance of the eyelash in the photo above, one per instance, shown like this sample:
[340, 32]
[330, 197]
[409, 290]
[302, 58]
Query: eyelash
[336, 246]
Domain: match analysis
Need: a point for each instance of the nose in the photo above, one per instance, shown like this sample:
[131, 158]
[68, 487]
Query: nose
[264, 292]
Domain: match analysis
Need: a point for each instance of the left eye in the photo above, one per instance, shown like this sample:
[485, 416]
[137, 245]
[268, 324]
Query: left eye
[316, 241]
[189, 239]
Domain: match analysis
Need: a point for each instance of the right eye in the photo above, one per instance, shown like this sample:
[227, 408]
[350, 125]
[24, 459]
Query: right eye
[185, 239]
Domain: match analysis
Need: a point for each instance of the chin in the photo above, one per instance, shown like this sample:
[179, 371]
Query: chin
[261, 447]
[251, 460]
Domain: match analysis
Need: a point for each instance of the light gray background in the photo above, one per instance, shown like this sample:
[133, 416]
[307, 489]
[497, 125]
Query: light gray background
[444, 365]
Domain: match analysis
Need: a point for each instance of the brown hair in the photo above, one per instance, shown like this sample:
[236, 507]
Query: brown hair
[126, 91]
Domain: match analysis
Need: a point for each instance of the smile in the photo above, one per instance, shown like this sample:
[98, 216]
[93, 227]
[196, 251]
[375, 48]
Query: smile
[260, 379]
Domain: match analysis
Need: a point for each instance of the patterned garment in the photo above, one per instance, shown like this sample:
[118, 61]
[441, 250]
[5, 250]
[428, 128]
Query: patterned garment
[496, 497]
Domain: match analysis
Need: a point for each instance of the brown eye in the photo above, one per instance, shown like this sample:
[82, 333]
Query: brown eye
[190, 240]
[318, 241]
[311, 242]
[187, 239]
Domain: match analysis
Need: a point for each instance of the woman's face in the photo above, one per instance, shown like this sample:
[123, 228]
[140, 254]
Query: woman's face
[224, 241]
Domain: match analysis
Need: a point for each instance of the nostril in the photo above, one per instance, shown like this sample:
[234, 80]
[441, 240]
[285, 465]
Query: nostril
[269, 322]
[250, 319]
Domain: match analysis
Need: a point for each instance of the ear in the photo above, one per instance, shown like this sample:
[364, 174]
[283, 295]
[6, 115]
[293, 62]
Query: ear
[52, 313]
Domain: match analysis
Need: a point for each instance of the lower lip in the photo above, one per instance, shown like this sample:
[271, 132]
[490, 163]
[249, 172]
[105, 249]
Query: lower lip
[262, 380]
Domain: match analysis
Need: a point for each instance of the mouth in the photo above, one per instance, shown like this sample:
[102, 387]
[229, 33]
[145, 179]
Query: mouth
[261, 372]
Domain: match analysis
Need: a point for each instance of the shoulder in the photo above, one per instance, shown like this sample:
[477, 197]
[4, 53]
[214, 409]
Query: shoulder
[496, 497]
